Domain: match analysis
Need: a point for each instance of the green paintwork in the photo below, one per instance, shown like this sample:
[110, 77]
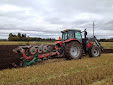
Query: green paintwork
[35, 59]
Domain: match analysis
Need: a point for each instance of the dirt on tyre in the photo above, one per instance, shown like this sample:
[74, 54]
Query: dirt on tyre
[73, 50]
[94, 51]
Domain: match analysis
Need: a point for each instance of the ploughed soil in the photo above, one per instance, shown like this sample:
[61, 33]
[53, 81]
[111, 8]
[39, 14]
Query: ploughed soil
[8, 57]
[107, 51]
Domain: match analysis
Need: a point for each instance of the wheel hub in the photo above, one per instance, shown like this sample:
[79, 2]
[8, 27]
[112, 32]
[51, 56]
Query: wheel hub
[74, 52]
[96, 52]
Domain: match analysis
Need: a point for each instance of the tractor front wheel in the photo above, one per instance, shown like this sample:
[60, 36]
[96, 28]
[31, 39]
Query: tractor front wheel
[73, 50]
[94, 51]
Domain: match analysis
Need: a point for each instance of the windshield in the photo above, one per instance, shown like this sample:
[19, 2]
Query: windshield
[71, 35]
[67, 35]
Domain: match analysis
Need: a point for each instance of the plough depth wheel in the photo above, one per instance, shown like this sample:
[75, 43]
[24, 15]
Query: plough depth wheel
[25, 62]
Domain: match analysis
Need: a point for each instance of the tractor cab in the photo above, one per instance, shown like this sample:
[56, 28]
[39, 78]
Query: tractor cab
[71, 34]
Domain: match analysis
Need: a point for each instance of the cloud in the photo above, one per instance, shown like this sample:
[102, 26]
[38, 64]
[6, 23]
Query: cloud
[8, 8]
[46, 18]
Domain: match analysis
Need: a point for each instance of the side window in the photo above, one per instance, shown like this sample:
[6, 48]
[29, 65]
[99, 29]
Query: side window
[64, 36]
[78, 35]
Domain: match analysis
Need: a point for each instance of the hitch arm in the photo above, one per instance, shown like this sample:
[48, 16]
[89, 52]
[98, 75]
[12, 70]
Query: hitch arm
[96, 41]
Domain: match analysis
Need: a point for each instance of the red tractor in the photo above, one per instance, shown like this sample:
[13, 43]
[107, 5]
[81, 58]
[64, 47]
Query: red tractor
[71, 46]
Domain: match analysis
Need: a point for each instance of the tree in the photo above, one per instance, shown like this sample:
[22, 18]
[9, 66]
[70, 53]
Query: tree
[10, 36]
[19, 35]
[23, 35]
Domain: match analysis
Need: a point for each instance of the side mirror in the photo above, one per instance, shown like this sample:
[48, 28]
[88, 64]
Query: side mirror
[59, 38]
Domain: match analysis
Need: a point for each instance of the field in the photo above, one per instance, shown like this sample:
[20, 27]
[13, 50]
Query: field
[107, 45]
[92, 71]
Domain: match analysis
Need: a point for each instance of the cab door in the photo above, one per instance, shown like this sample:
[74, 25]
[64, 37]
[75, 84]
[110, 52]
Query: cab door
[78, 36]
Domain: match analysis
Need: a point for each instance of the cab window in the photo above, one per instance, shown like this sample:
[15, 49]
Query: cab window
[64, 36]
[70, 34]
[78, 35]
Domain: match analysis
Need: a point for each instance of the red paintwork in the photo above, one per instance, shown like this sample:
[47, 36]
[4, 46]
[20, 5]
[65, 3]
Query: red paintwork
[40, 56]
[46, 55]
[26, 57]
[60, 42]
[72, 40]
[89, 45]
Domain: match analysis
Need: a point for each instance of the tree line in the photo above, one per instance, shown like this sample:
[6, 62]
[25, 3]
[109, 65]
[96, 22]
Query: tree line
[23, 37]
[106, 40]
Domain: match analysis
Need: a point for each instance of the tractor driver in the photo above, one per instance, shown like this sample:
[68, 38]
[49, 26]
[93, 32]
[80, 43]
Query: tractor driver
[70, 36]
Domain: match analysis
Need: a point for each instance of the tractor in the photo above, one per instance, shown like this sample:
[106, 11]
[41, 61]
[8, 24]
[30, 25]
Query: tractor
[73, 46]
[70, 46]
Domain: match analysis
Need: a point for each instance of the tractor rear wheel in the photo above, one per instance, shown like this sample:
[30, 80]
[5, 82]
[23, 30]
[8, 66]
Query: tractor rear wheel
[94, 51]
[73, 50]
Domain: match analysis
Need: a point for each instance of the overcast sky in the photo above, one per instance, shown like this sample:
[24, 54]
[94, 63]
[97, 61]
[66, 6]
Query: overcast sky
[46, 18]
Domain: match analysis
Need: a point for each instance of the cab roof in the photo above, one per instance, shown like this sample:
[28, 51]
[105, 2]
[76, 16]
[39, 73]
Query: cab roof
[71, 30]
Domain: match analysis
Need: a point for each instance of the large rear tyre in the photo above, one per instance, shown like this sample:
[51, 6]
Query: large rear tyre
[73, 50]
[94, 51]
